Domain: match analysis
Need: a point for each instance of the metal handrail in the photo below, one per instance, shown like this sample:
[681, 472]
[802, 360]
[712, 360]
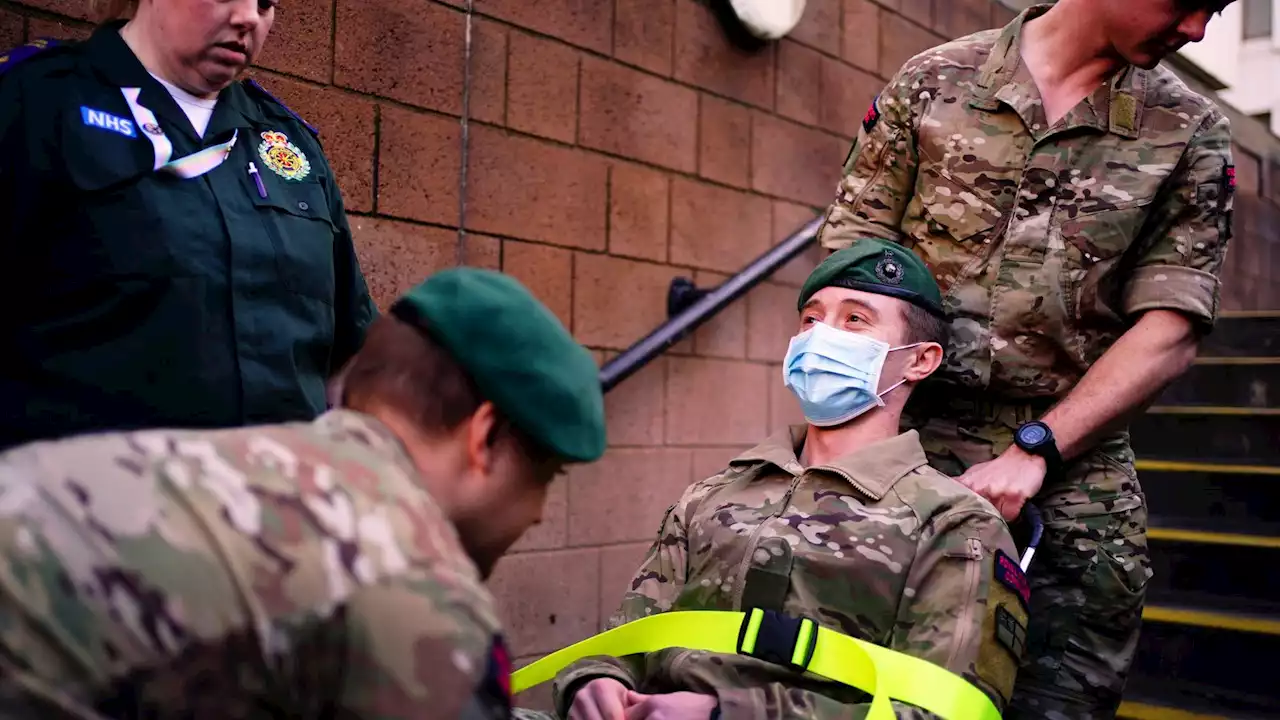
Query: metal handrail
[688, 307]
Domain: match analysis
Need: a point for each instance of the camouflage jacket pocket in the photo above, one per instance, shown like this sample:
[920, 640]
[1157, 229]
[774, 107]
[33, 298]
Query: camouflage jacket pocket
[952, 209]
[1121, 572]
[1094, 245]
[1127, 566]
[1101, 544]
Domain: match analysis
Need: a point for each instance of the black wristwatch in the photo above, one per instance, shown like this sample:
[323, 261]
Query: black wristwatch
[1037, 439]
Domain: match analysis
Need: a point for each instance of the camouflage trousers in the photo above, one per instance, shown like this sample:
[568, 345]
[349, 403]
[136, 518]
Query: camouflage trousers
[1089, 574]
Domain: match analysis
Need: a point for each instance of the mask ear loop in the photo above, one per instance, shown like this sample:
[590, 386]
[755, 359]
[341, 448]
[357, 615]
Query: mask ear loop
[898, 384]
[890, 389]
[907, 347]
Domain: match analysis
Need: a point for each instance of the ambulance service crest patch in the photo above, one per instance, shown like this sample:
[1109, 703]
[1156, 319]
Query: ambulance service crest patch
[283, 157]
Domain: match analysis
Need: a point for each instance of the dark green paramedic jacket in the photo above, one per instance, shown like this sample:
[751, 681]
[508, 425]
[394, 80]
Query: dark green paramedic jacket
[135, 298]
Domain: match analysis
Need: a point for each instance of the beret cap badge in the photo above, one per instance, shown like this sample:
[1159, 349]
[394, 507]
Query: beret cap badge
[888, 269]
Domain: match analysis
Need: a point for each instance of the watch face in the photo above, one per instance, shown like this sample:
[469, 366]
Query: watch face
[1032, 434]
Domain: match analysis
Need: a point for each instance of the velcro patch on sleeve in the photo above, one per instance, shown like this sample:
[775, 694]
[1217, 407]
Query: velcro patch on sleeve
[1011, 576]
[1226, 193]
[1002, 641]
[1010, 632]
[848, 162]
[872, 117]
[1226, 187]
[496, 685]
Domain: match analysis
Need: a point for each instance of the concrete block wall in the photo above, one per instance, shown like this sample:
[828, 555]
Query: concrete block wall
[613, 145]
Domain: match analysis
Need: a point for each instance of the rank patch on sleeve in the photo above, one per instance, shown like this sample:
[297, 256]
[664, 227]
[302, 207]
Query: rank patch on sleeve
[872, 117]
[1011, 576]
[1010, 633]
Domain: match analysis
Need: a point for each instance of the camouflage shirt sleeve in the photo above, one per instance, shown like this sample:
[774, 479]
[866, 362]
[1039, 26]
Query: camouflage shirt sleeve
[414, 648]
[1181, 254]
[183, 579]
[965, 602]
[879, 173]
[654, 589]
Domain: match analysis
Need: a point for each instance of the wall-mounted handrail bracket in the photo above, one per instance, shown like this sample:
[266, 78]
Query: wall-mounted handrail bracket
[682, 294]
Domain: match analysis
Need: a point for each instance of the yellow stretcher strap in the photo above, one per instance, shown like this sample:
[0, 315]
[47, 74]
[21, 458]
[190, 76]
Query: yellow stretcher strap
[798, 643]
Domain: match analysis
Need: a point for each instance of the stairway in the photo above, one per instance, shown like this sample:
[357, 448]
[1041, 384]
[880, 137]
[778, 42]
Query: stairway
[1210, 466]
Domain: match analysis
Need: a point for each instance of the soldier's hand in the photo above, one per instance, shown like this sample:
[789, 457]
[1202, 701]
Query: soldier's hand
[1008, 481]
[601, 699]
[670, 706]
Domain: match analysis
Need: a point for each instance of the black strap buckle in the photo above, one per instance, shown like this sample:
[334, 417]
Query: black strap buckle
[778, 638]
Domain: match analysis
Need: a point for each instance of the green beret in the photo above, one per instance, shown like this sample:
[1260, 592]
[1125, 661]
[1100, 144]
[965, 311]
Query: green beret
[519, 354]
[877, 266]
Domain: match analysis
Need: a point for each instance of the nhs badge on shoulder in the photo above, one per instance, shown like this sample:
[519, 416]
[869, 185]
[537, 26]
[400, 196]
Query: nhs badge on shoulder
[106, 121]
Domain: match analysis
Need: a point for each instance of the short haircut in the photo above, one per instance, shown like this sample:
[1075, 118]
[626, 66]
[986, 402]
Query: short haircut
[924, 326]
[402, 368]
[105, 11]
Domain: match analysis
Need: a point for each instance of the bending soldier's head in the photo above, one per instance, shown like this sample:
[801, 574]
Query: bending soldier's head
[1144, 32]
[198, 45]
[871, 322]
[490, 395]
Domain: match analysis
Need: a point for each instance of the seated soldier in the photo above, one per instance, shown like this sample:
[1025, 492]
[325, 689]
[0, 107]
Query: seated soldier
[841, 521]
[325, 569]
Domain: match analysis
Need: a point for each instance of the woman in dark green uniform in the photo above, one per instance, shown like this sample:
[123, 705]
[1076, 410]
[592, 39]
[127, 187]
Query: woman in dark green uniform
[175, 247]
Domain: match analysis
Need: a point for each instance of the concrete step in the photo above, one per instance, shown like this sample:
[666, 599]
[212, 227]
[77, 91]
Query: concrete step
[1218, 663]
[1178, 703]
[1255, 334]
[1246, 436]
[1247, 382]
[1215, 571]
[1179, 707]
[1214, 497]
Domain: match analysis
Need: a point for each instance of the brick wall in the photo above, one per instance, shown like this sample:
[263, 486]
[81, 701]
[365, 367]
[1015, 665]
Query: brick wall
[613, 146]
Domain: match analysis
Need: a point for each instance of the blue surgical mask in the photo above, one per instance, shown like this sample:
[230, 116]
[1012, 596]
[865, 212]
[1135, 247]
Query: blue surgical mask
[835, 373]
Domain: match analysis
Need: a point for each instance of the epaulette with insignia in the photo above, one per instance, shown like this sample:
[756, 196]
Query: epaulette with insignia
[12, 57]
[254, 86]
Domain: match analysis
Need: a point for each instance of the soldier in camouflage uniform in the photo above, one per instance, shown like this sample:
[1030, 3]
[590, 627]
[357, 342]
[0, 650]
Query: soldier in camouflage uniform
[1073, 200]
[324, 569]
[841, 520]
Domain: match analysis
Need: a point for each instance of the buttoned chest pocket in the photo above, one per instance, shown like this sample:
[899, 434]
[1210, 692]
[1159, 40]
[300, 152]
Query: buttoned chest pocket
[953, 208]
[1094, 244]
[296, 218]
